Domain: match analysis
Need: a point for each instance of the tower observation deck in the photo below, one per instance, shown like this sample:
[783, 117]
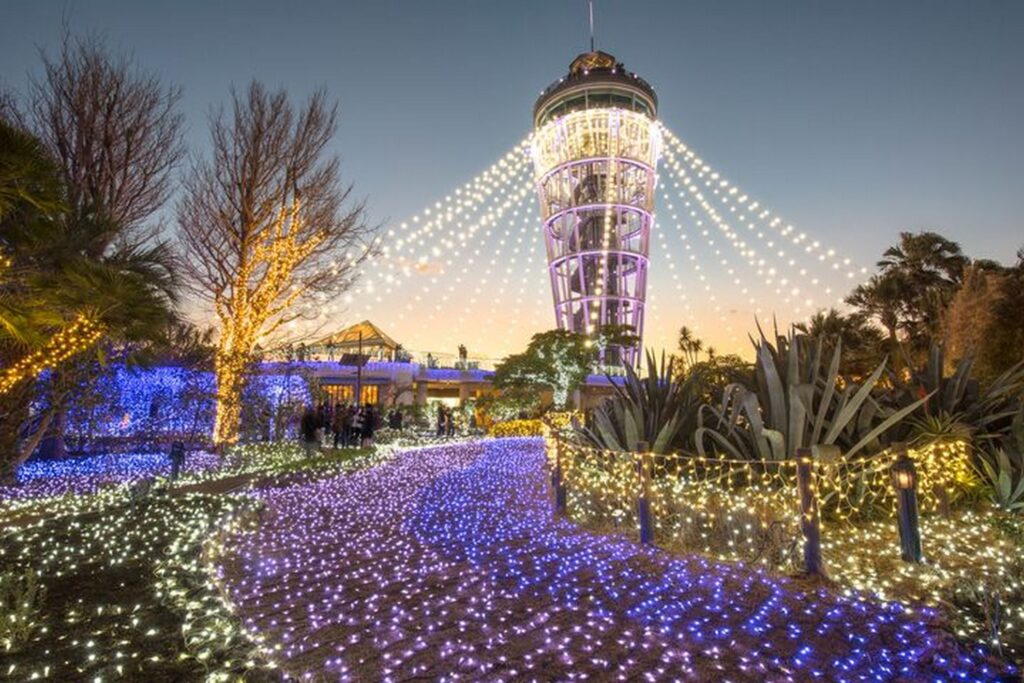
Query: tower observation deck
[595, 155]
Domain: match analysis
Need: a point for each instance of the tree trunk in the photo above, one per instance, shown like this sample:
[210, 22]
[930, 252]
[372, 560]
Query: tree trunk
[53, 446]
[14, 416]
[231, 369]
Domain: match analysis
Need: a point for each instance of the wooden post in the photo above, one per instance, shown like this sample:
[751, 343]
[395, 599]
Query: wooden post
[557, 480]
[810, 524]
[643, 503]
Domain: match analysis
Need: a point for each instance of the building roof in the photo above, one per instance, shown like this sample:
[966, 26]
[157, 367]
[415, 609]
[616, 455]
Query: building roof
[348, 338]
[595, 69]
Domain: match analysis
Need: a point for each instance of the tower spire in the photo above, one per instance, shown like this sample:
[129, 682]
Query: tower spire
[590, 7]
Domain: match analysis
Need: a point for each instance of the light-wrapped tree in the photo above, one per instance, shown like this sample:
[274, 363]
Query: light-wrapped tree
[267, 229]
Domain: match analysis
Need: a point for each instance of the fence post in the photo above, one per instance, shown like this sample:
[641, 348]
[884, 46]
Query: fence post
[643, 501]
[904, 478]
[810, 524]
[557, 480]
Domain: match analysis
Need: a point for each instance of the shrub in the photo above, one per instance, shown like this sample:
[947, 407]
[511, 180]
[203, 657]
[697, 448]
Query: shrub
[517, 428]
[655, 409]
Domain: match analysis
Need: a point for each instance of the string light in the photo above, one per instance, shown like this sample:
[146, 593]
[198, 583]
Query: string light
[82, 333]
[748, 512]
[157, 547]
[689, 192]
[262, 290]
[448, 560]
[739, 202]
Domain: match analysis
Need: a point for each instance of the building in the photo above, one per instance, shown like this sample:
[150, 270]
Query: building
[364, 359]
[595, 151]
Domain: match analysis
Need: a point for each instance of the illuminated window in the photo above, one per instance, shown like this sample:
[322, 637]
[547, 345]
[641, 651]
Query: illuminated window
[344, 393]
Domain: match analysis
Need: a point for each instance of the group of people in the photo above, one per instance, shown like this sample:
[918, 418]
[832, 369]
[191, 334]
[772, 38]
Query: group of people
[347, 425]
[445, 420]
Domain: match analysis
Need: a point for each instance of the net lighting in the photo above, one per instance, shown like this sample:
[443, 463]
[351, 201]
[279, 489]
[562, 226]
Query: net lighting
[439, 560]
[748, 513]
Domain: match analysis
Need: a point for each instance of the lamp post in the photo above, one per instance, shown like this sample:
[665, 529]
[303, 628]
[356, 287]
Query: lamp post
[904, 478]
[359, 372]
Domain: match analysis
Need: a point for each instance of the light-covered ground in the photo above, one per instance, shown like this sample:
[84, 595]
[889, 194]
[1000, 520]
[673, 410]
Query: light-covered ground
[51, 478]
[446, 563]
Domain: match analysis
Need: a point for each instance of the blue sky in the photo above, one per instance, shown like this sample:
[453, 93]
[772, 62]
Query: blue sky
[854, 120]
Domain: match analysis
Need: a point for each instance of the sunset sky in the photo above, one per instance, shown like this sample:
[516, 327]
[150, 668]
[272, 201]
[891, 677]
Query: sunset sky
[852, 121]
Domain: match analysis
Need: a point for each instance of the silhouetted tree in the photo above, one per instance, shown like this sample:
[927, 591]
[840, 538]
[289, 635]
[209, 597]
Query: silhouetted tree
[114, 132]
[862, 342]
[917, 280]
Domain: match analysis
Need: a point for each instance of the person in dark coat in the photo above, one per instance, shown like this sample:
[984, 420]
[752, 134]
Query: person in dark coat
[309, 427]
[367, 426]
[350, 430]
[440, 419]
[450, 426]
[338, 422]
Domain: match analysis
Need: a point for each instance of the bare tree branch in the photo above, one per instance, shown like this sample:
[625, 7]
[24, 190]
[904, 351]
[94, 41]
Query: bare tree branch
[114, 130]
[266, 228]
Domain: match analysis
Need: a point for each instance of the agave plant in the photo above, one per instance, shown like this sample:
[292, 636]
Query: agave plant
[798, 400]
[655, 409]
[1003, 468]
[1005, 478]
[985, 412]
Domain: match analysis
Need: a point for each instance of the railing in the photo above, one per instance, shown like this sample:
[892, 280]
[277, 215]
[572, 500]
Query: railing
[426, 359]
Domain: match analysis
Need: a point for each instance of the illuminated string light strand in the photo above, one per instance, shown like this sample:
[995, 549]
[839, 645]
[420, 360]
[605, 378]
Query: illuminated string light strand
[693, 198]
[446, 248]
[666, 252]
[712, 294]
[417, 234]
[82, 333]
[465, 201]
[736, 200]
[512, 196]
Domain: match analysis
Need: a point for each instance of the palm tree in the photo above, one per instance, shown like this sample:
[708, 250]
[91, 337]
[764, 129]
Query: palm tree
[931, 269]
[861, 341]
[52, 277]
[927, 256]
[691, 346]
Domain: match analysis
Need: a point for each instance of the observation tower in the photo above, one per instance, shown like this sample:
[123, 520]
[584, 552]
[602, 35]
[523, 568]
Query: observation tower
[595, 155]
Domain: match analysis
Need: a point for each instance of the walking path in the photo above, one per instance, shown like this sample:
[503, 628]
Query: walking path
[446, 564]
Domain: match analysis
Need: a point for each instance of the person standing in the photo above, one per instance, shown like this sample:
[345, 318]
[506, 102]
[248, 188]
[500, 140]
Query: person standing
[367, 426]
[338, 422]
[440, 419]
[322, 421]
[451, 423]
[309, 427]
[357, 425]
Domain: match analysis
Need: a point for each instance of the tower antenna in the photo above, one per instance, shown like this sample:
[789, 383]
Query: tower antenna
[590, 7]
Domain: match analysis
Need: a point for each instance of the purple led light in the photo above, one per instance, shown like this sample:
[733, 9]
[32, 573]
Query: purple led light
[446, 563]
[82, 476]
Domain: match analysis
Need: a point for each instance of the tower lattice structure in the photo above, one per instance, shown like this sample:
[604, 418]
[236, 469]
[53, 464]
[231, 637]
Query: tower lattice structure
[595, 154]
